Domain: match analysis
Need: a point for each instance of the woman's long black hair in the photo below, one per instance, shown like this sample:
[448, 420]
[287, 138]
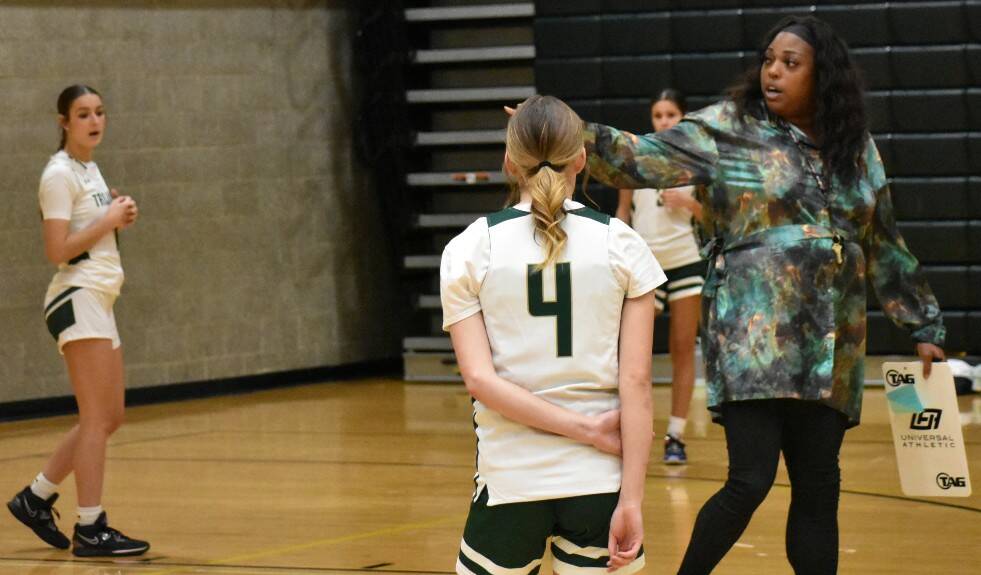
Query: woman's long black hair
[839, 119]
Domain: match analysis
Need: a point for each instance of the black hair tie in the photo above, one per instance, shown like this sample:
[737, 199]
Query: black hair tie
[543, 164]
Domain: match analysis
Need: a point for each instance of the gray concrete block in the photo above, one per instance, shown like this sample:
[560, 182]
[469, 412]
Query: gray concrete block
[229, 125]
[186, 371]
[242, 197]
[162, 130]
[124, 131]
[225, 367]
[220, 92]
[43, 362]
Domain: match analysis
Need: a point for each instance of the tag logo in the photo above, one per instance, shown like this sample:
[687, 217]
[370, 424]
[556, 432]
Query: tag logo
[926, 420]
[895, 379]
[945, 481]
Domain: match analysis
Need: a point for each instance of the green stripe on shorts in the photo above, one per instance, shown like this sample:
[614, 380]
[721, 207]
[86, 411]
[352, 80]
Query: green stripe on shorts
[477, 569]
[579, 560]
[62, 318]
[60, 297]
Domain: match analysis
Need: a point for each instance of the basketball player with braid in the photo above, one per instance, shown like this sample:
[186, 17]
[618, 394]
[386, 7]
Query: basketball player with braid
[550, 306]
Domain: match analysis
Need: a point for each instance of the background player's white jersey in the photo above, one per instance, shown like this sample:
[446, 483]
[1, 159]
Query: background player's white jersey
[667, 231]
[554, 332]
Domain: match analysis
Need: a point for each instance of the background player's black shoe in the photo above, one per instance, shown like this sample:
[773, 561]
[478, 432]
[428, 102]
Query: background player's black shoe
[36, 513]
[674, 451]
[100, 540]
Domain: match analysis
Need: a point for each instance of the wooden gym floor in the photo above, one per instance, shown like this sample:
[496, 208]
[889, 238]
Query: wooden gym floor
[374, 476]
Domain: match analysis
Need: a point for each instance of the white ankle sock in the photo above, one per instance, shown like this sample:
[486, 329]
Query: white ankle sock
[42, 487]
[88, 515]
[676, 426]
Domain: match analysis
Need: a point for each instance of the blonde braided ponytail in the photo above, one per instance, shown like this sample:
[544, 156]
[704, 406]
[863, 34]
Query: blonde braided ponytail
[543, 137]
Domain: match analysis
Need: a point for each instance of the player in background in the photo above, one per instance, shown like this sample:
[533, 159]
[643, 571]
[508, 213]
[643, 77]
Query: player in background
[664, 219]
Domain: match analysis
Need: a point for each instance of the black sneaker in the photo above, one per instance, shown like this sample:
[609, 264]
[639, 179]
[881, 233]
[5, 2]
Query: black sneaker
[674, 451]
[100, 540]
[36, 513]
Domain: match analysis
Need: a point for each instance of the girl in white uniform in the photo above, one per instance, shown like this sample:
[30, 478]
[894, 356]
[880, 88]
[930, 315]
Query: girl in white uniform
[81, 219]
[664, 219]
[550, 307]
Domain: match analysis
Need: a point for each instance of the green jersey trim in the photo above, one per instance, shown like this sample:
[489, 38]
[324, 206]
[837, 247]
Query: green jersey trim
[504, 215]
[591, 214]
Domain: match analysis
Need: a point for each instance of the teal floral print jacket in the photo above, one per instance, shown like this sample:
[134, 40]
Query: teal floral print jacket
[784, 301]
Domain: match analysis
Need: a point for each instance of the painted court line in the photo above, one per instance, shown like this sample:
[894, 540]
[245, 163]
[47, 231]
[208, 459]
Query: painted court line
[326, 542]
[118, 568]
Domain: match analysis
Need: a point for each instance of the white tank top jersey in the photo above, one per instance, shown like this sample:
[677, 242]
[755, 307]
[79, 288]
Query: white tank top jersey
[75, 191]
[667, 231]
[554, 332]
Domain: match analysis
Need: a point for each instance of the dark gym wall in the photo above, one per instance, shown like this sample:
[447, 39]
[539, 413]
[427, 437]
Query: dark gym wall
[922, 64]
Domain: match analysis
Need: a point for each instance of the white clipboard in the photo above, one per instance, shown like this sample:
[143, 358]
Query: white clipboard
[926, 430]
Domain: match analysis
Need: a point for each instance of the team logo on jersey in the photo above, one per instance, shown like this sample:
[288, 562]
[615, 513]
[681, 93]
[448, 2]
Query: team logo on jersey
[101, 198]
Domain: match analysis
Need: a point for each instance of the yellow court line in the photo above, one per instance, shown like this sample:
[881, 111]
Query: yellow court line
[216, 569]
[323, 542]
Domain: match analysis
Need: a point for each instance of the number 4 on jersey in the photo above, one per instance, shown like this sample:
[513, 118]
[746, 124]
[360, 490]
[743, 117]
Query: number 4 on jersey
[561, 308]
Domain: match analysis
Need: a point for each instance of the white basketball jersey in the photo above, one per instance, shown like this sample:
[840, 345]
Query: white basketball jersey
[75, 191]
[667, 231]
[554, 332]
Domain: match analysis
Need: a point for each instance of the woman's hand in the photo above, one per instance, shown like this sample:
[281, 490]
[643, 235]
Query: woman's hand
[604, 433]
[626, 535]
[511, 111]
[928, 352]
[122, 212]
[677, 199]
[133, 213]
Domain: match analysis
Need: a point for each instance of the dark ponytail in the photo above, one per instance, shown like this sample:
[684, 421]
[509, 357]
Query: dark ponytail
[65, 100]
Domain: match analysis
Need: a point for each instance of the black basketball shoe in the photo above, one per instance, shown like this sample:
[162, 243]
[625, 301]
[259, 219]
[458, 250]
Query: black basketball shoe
[674, 451]
[100, 540]
[36, 513]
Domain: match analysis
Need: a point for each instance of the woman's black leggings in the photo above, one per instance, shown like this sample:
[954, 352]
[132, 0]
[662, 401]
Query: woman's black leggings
[809, 434]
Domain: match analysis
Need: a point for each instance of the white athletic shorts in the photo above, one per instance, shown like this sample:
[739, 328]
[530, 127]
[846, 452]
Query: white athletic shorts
[81, 313]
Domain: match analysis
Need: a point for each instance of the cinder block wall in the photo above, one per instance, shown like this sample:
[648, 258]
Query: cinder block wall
[259, 246]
